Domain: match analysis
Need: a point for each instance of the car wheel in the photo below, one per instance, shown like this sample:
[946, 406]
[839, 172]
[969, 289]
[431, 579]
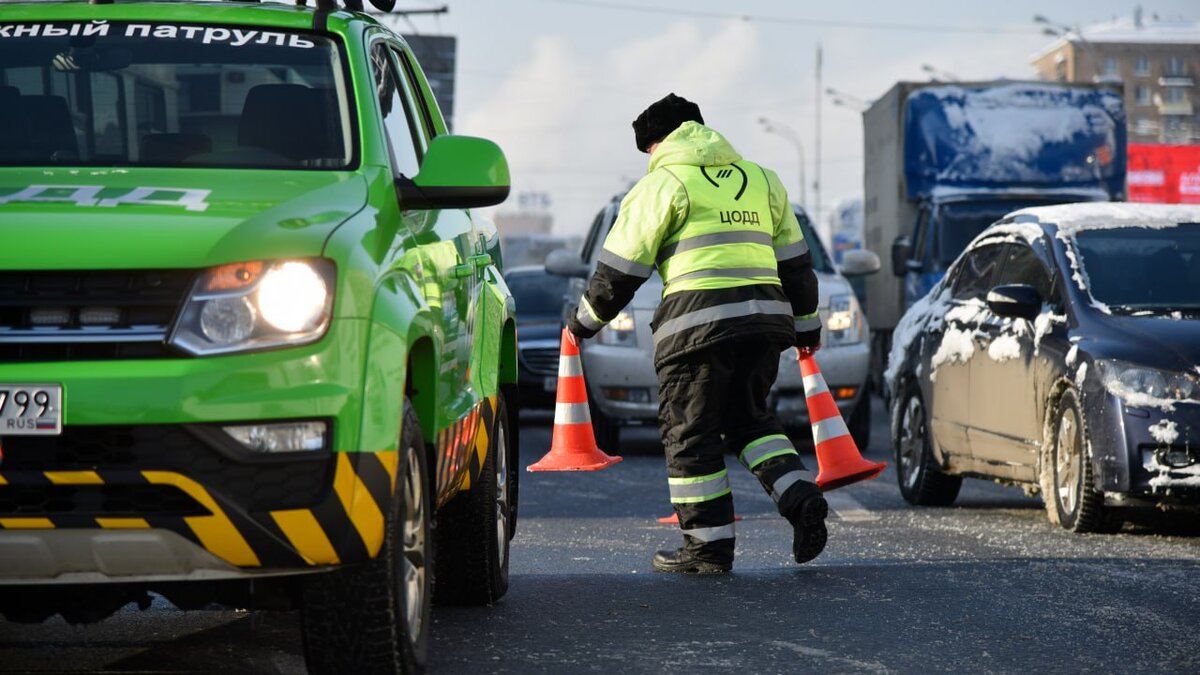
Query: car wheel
[922, 481]
[473, 529]
[860, 422]
[1079, 507]
[375, 617]
[608, 432]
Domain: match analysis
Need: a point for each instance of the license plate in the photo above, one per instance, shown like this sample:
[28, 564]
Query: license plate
[550, 384]
[30, 410]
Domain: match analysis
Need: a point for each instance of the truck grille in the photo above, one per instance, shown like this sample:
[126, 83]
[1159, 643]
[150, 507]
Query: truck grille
[541, 360]
[88, 315]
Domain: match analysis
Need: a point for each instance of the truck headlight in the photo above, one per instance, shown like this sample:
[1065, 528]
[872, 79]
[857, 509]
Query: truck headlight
[620, 332]
[1138, 385]
[256, 305]
[843, 324]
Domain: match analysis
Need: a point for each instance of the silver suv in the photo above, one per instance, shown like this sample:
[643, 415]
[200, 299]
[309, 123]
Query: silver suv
[619, 361]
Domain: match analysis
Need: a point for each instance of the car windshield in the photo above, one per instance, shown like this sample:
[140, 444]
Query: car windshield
[167, 95]
[959, 224]
[537, 293]
[1136, 268]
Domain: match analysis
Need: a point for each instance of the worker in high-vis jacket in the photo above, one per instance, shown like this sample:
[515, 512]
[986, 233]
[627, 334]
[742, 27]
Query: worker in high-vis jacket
[738, 289]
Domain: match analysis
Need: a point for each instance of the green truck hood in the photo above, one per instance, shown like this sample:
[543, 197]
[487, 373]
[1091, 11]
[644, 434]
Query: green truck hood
[168, 218]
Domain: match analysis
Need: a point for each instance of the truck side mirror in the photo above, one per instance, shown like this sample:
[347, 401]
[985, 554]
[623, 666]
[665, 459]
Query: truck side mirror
[566, 263]
[859, 262]
[901, 250]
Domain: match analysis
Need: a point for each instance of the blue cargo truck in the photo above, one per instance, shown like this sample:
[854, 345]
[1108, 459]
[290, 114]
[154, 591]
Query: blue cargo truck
[944, 161]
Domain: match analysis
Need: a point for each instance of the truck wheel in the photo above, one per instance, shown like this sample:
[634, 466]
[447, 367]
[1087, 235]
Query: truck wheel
[860, 422]
[608, 432]
[921, 479]
[375, 617]
[1079, 507]
[473, 529]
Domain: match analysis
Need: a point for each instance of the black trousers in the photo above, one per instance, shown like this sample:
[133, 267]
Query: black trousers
[711, 402]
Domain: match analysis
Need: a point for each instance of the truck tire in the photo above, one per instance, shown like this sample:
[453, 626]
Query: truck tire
[922, 481]
[375, 617]
[473, 528]
[1079, 507]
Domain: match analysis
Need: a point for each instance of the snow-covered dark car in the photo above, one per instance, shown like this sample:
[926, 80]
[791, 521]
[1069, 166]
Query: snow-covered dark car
[1061, 353]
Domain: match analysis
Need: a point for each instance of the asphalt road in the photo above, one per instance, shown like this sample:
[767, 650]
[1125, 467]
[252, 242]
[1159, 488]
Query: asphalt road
[985, 586]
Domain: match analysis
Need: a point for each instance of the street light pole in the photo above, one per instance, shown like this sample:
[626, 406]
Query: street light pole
[784, 131]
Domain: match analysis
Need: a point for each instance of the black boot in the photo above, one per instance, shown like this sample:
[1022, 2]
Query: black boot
[808, 527]
[680, 560]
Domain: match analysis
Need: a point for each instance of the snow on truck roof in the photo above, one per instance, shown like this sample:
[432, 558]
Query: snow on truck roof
[1072, 218]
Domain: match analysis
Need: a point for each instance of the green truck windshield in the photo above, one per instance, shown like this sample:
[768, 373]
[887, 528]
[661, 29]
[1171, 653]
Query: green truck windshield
[167, 95]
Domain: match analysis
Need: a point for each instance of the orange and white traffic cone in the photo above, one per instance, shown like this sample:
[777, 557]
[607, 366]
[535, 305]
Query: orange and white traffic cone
[573, 446]
[838, 461]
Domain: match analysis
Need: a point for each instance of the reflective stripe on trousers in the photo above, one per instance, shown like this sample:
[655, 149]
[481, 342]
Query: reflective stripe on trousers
[707, 534]
[762, 449]
[692, 490]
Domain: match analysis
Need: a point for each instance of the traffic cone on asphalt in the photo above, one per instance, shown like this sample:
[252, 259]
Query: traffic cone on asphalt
[838, 461]
[573, 446]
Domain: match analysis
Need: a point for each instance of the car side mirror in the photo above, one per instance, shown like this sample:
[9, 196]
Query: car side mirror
[901, 250]
[1015, 301]
[859, 262]
[566, 263]
[458, 172]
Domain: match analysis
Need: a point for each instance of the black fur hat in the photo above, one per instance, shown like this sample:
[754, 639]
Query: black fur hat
[661, 118]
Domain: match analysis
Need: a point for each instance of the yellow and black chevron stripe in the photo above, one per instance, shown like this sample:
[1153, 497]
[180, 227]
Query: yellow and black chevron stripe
[347, 526]
[462, 449]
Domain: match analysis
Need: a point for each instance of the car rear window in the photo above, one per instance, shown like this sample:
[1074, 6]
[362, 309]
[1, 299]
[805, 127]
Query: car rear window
[125, 94]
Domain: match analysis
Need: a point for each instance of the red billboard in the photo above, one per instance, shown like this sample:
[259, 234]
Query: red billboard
[1168, 174]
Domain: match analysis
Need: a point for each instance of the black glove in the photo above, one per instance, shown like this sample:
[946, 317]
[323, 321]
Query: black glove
[575, 326]
[809, 340]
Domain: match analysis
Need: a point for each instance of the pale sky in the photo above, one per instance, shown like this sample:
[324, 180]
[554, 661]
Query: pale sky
[557, 82]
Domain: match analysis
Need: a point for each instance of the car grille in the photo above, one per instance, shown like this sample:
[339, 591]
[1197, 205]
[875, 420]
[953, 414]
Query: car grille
[88, 315]
[541, 360]
[252, 482]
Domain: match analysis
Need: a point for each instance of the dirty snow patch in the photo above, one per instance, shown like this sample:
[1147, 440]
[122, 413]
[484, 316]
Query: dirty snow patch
[1165, 432]
[957, 347]
[1072, 354]
[1080, 376]
[1031, 233]
[1004, 348]
[968, 312]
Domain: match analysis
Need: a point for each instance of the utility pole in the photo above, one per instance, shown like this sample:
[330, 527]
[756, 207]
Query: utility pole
[815, 216]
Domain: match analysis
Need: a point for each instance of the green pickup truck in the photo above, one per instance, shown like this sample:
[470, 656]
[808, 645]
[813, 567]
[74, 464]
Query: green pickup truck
[254, 347]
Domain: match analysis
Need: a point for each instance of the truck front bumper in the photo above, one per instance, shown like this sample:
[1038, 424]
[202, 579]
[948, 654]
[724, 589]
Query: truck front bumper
[144, 482]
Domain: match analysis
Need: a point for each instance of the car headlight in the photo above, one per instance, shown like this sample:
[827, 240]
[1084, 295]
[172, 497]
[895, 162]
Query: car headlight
[843, 324]
[620, 332]
[256, 305]
[1133, 383]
